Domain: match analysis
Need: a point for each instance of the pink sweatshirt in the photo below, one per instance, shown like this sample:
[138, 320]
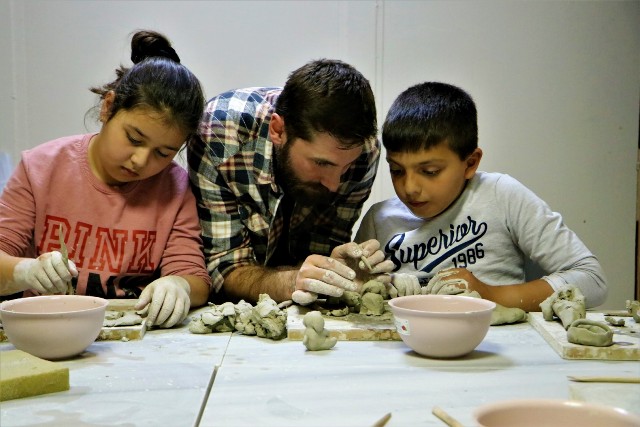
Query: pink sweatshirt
[117, 236]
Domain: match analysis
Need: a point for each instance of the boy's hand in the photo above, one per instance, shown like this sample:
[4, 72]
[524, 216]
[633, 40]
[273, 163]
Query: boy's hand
[455, 281]
[404, 284]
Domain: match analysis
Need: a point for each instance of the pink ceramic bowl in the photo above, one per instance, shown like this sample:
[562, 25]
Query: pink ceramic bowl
[552, 413]
[441, 326]
[53, 326]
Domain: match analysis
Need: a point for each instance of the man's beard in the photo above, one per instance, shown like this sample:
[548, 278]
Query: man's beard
[305, 193]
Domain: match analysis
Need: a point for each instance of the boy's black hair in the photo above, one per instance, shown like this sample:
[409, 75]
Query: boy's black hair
[428, 114]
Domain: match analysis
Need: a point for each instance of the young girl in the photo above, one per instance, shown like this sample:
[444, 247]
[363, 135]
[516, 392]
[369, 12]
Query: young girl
[124, 208]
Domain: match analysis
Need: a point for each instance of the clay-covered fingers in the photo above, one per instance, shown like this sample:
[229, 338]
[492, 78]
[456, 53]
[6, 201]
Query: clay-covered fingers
[346, 252]
[325, 276]
[452, 288]
[446, 282]
[406, 284]
[303, 297]
[373, 259]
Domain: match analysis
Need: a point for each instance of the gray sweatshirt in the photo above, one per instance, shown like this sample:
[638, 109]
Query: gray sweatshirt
[491, 230]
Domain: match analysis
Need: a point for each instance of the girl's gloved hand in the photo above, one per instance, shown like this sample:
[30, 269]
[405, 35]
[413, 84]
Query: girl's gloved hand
[47, 274]
[166, 301]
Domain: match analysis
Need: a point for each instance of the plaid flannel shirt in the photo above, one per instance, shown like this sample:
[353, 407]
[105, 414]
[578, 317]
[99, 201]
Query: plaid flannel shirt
[231, 171]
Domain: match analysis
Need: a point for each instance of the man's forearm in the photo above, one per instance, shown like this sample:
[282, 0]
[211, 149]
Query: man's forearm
[249, 281]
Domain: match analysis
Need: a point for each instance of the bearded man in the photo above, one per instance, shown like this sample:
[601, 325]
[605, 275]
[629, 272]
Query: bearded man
[280, 176]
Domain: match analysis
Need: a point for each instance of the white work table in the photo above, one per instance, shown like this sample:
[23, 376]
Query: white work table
[164, 380]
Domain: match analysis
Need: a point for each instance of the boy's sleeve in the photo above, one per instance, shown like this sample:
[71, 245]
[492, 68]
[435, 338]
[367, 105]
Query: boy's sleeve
[543, 237]
[367, 229]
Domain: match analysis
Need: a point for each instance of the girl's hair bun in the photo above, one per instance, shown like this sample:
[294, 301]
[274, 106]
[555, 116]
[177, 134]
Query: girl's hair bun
[147, 44]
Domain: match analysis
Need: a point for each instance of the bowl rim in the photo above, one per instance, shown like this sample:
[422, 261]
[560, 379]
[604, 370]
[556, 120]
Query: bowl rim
[486, 306]
[6, 306]
[552, 403]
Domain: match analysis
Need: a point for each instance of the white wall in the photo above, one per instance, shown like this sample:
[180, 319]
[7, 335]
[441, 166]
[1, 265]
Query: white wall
[557, 83]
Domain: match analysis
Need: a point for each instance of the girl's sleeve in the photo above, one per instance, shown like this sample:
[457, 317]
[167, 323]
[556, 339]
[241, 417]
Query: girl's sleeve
[17, 214]
[183, 254]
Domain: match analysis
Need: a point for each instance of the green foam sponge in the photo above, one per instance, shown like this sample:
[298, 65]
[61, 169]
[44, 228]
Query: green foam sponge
[24, 375]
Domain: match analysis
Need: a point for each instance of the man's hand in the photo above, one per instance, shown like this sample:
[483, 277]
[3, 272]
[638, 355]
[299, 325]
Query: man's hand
[166, 300]
[47, 274]
[347, 269]
[359, 257]
[322, 275]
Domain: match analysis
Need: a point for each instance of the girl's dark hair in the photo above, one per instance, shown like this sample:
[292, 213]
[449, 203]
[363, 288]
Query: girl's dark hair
[428, 114]
[157, 81]
[328, 96]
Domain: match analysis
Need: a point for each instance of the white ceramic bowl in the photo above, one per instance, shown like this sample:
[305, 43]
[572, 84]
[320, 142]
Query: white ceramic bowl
[552, 413]
[53, 326]
[441, 326]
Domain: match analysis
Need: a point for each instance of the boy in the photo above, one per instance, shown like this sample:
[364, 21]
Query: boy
[481, 226]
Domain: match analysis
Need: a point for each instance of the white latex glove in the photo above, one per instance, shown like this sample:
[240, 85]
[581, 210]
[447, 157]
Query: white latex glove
[405, 284]
[439, 284]
[167, 301]
[47, 274]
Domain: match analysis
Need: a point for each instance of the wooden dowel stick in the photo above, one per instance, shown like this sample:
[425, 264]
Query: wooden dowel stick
[589, 379]
[448, 419]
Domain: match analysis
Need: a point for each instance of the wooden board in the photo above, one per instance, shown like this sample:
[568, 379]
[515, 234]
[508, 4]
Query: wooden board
[353, 327]
[124, 333]
[626, 339]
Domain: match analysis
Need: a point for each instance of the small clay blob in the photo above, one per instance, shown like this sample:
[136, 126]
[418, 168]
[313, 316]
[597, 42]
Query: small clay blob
[590, 332]
[373, 295]
[315, 336]
[372, 304]
[567, 304]
[634, 310]
[613, 321]
[352, 299]
[121, 318]
[502, 315]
